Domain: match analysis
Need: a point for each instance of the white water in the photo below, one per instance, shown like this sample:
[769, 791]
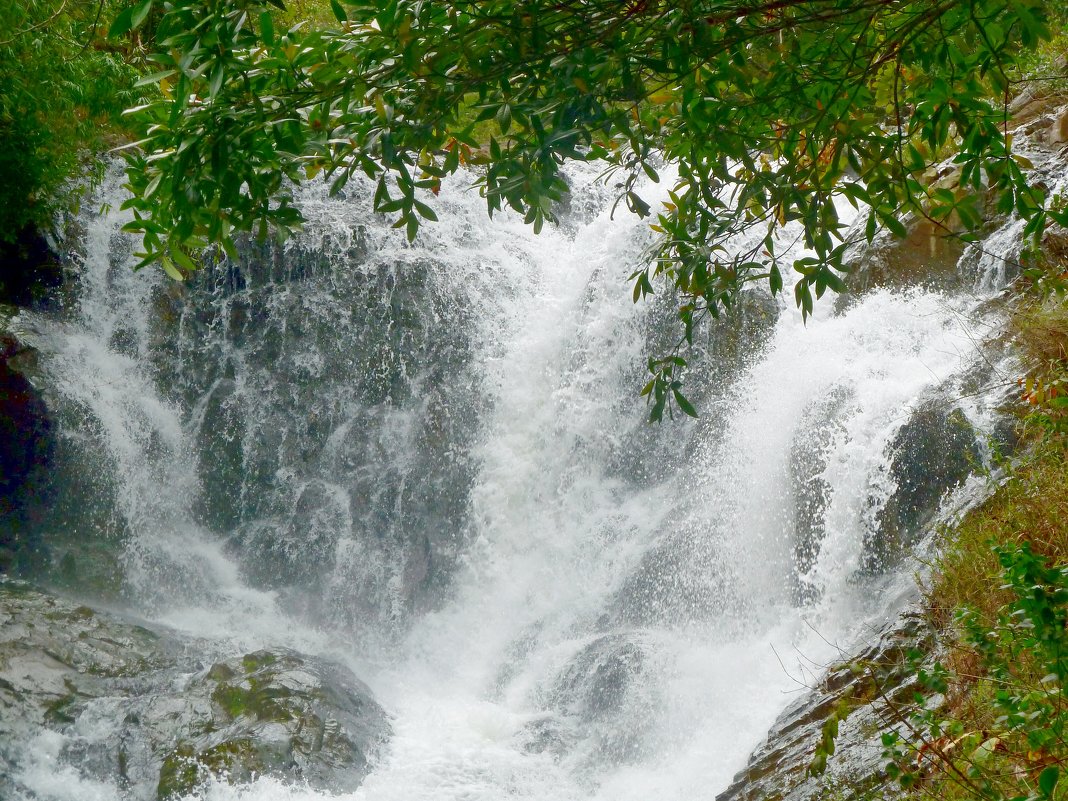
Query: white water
[567, 550]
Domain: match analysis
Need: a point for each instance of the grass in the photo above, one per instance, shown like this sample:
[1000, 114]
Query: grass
[1032, 506]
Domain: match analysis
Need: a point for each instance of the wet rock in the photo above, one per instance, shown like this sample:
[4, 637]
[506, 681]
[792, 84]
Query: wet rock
[29, 269]
[858, 690]
[141, 710]
[599, 700]
[682, 580]
[722, 349]
[925, 257]
[1023, 102]
[933, 453]
[272, 712]
[27, 444]
[219, 443]
[1058, 131]
[338, 402]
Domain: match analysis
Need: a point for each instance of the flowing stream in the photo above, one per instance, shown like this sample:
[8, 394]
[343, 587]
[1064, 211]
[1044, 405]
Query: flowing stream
[430, 462]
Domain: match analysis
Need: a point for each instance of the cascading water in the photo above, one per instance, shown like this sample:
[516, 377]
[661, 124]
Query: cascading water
[430, 461]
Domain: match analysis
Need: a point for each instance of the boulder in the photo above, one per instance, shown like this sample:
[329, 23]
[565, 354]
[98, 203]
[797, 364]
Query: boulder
[145, 711]
[816, 432]
[1058, 131]
[598, 703]
[925, 257]
[272, 711]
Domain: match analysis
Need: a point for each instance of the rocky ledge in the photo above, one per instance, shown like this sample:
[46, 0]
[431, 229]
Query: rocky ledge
[867, 695]
[141, 710]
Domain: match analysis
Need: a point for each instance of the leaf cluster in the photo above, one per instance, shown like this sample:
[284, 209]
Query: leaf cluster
[62, 87]
[775, 113]
[1019, 659]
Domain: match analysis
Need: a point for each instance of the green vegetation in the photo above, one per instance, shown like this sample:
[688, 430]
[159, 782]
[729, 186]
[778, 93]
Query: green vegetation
[989, 719]
[999, 730]
[63, 88]
[772, 111]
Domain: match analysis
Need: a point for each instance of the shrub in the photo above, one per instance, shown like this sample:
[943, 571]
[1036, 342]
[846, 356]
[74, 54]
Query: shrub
[62, 91]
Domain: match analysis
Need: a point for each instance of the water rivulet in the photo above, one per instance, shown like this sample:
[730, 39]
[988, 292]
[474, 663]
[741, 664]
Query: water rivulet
[430, 464]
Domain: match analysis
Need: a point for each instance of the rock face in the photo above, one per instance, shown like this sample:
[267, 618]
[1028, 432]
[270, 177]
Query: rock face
[29, 269]
[1058, 132]
[140, 710]
[27, 443]
[340, 401]
[811, 491]
[933, 453]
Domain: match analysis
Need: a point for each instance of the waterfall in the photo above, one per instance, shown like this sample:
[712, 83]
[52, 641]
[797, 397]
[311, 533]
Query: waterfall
[430, 460]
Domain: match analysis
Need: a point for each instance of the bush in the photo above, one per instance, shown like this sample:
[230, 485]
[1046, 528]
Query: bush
[1010, 745]
[62, 93]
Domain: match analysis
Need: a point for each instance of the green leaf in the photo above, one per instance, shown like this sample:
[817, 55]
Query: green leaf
[637, 205]
[775, 280]
[833, 281]
[122, 24]
[267, 27]
[425, 211]
[183, 260]
[1047, 779]
[172, 271]
[684, 404]
[897, 228]
[504, 117]
[154, 78]
[140, 14]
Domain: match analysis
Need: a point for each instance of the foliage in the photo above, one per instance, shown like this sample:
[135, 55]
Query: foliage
[59, 82]
[1020, 662]
[1045, 69]
[1041, 332]
[773, 111]
[1030, 506]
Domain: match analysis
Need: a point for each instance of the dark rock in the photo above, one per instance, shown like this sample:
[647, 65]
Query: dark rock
[219, 443]
[336, 405]
[722, 349]
[1058, 131]
[162, 722]
[680, 581]
[819, 425]
[933, 453]
[925, 257]
[29, 269]
[27, 444]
